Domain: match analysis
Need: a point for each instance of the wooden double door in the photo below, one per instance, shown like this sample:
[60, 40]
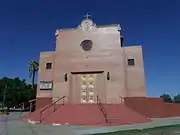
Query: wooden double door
[86, 87]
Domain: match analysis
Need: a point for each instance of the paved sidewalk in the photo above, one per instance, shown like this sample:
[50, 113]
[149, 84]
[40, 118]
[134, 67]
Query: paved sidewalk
[13, 125]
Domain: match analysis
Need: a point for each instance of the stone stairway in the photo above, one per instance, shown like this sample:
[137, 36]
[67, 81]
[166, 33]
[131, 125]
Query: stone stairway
[87, 115]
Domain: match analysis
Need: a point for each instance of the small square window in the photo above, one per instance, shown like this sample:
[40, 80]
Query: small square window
[131, 62]
[48, 65]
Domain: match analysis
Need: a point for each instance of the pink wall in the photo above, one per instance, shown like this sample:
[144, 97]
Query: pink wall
[106, 55]
[152, 107]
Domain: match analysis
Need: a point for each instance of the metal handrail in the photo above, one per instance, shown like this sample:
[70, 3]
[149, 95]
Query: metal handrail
[102, 109]
[62, 98]
[29, 107]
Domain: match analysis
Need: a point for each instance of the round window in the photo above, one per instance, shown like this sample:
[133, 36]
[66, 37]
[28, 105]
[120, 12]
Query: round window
[86, 45]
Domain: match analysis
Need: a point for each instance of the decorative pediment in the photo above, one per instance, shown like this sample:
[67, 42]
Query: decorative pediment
[87, 24]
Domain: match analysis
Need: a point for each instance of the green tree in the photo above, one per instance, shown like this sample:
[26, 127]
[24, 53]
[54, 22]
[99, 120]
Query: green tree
[177, 98]
[33, 68]
[167, 98]
[15, 91]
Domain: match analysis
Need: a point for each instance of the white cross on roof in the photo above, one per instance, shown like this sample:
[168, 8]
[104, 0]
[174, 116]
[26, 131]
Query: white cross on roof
[87, 16]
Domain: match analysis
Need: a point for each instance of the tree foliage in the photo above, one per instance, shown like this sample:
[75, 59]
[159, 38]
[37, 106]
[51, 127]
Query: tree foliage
[15, 91]
[33, 68]
[177, 98]
[167, 98]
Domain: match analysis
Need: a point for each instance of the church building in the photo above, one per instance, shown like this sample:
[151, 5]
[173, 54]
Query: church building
[92, 79]
[90, 62]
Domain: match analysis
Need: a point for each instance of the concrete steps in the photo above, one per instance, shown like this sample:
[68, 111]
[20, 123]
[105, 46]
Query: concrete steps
[89, 115]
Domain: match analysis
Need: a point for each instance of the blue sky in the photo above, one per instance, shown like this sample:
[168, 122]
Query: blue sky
[28, 27]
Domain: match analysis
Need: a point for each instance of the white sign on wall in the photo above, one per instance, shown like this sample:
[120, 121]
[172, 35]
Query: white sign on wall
[46, 85]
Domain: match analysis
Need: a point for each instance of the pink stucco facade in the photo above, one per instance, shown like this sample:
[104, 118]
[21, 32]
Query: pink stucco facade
[108, 69]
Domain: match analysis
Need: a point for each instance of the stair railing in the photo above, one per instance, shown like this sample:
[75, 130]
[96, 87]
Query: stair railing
[102, 109]
[29, 108]
[54, 107]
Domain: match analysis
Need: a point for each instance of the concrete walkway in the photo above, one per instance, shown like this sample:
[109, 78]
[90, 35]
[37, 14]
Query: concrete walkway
[13, 125]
